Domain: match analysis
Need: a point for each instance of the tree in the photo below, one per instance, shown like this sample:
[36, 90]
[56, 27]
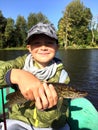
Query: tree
[21, 30]
[14, 33]
[9, 33]
[76, 18]
[3, 22]
[64, 28]
[34, 18]
[94, 30]
[42, 18]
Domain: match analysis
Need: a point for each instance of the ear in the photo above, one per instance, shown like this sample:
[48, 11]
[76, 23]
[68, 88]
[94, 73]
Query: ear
[29, 48]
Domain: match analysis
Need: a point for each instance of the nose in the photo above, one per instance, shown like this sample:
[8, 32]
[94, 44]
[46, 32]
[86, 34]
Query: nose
[43, 46]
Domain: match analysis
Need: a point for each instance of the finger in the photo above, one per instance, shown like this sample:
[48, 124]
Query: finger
[36, 91]
[43, 98]
[49, 95]
[54, 94]
[38, 103]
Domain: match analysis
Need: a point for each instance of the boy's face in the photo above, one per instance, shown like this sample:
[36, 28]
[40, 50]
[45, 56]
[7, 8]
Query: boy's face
[43, 49]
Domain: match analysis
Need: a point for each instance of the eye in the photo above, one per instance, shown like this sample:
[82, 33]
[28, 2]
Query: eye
[50, 42]
[36, 43]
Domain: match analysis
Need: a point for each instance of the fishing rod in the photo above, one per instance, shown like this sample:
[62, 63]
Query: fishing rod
[4, 114]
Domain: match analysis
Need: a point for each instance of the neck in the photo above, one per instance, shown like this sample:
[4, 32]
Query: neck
[40, 65]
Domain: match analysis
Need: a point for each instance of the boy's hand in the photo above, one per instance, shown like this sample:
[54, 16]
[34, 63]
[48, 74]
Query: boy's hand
[32, 89]
[48, 98]
[27, 83]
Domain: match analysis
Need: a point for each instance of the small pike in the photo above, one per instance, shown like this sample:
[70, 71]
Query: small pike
[63, 90]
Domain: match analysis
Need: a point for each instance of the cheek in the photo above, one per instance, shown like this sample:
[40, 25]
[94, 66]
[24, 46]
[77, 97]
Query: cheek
[53, 50]
[34, 52]
[33, 49]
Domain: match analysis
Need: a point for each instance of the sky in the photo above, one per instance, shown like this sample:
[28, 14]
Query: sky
[52, 9]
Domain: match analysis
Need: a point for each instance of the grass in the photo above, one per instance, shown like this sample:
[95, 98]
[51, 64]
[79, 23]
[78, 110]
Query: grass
[14, 48]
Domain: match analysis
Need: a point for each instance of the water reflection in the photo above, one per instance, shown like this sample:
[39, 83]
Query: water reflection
[9, 55]
[82, 67]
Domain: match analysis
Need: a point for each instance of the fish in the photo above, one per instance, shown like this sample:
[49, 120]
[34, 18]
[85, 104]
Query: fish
[62, 89]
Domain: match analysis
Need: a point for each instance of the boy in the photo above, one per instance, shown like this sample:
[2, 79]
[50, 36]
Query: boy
[28, 72]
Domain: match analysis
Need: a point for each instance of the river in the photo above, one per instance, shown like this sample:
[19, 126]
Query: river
[82, 66]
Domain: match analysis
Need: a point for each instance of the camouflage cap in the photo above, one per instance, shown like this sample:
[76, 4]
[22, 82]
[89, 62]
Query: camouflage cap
[41, 28]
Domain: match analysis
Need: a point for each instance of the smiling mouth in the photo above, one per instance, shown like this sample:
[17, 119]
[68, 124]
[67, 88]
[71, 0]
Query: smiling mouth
[46, 53]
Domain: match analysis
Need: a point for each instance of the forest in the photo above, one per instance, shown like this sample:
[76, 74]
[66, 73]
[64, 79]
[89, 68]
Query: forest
[77, 27]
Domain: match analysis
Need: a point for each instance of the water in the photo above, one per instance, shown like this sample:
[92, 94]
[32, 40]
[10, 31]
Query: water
[82, 66]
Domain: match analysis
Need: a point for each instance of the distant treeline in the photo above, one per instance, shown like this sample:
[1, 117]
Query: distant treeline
[13, 33]
[75, 28]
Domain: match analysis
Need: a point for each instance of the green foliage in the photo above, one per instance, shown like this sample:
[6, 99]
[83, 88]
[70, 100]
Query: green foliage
[8, 34]
[73, 26]
[13, 34]
[35, 18]
[21, 29]
[3, 22]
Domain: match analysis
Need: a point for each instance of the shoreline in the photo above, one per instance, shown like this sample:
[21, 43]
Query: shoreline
[67, 48]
